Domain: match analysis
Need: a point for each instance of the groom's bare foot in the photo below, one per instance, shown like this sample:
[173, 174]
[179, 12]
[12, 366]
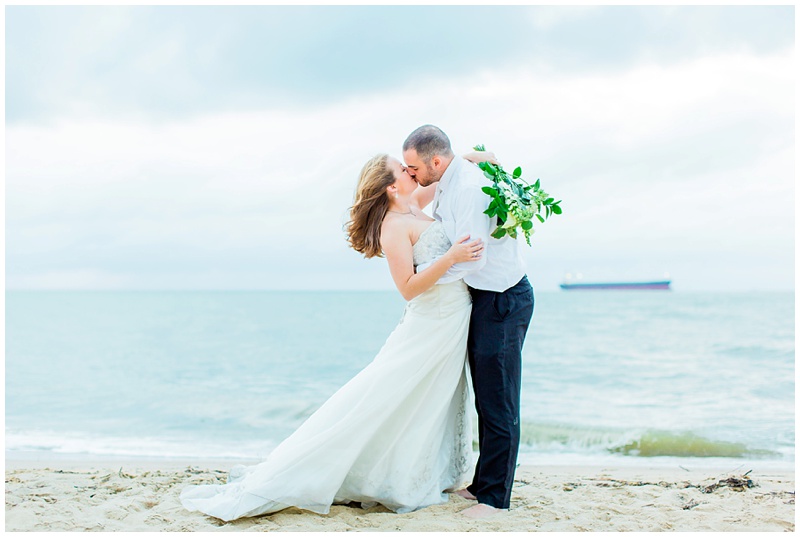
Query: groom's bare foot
[464, 493]
[481, 510]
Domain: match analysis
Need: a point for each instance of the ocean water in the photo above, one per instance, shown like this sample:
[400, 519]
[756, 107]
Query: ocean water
[630, 377]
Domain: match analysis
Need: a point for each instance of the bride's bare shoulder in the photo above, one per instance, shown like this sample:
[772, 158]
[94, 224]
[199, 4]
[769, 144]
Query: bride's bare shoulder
[395, 230]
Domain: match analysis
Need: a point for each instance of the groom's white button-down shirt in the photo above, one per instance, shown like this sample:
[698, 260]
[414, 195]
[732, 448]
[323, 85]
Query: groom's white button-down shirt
[459, 203]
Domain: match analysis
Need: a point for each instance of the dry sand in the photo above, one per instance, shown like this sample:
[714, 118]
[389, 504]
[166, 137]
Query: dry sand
[143, 496]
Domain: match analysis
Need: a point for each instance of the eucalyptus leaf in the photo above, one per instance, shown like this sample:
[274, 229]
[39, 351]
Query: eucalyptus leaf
[510, 191]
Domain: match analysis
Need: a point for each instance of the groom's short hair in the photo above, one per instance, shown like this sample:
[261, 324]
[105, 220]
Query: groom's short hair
[428, 141]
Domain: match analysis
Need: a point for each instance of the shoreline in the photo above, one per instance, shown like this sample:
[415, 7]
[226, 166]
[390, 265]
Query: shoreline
[40, 459]
[134, 494]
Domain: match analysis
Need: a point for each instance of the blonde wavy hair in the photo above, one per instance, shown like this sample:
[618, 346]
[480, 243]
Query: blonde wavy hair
[370, 207]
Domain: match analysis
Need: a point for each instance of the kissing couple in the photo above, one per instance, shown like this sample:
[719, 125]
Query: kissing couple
[399, 433]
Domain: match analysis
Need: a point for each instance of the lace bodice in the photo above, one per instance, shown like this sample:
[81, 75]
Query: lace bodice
[432, 243]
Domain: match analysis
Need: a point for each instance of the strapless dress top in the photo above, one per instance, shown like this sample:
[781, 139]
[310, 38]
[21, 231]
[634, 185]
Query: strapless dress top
[432, 244]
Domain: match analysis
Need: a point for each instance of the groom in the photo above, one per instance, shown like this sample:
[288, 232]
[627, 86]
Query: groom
[502, 307]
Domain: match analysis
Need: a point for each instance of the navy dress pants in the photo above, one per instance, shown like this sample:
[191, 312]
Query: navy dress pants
[497, 330]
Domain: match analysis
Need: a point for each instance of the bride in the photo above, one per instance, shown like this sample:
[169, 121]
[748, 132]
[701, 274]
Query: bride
[399, 432]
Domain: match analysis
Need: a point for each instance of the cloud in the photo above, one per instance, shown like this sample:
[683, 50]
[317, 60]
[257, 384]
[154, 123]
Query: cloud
[686, 164]
[550, 17]
[176, 62]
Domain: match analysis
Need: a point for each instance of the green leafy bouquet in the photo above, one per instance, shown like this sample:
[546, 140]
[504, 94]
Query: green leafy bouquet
[514, 201]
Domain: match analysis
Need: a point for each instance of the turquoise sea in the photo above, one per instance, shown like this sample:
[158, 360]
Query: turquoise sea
[632, 377]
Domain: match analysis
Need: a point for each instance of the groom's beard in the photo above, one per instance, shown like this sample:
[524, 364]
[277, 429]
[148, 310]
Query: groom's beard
[432, 177]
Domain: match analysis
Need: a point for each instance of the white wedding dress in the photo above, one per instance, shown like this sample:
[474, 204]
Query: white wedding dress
[397, 434]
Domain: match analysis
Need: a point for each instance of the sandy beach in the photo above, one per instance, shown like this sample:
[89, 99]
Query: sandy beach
[115, 495]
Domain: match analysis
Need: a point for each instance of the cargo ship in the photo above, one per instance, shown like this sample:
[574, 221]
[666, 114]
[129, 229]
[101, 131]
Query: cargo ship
[662, 285]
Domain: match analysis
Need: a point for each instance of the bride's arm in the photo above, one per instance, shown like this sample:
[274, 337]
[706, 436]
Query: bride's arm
[396, 245]
[481, 156]
[423, 195]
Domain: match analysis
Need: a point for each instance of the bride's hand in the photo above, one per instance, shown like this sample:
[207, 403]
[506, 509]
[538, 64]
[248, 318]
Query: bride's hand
[465, 250]
[482, 156]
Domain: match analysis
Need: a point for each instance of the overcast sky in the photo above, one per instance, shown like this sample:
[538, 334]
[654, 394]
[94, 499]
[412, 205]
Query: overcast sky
[219, 147]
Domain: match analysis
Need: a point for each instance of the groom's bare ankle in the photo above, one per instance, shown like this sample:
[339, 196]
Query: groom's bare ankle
[482, 510]
[464, 493]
